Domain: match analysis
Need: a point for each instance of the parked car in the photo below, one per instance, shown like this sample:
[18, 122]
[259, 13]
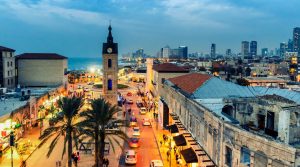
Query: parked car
[86, 89]
[143, 110]
[136, 131]
[138, 103]
[156, 163]
[146, 122]
[129, 94]
[129, 101]
[134, 142]
[130, 157]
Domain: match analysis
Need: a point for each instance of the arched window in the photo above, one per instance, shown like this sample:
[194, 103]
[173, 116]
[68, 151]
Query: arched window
[109, 63]
[109, 84]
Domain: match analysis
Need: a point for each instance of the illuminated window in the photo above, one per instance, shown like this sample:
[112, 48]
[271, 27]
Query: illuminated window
[109, 84]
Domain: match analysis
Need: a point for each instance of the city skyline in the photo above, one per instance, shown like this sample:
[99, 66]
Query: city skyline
[77, 29]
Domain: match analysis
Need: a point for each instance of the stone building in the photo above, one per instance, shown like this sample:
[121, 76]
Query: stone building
[42, 69]
[7, 67]
[158, 73]
[236, 126]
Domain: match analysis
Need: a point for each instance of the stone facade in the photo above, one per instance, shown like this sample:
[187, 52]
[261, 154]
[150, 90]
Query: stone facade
[228, 144]
[42, 72]
[7, 69]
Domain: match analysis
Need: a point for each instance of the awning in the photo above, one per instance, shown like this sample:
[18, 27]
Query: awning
[173, 128]
[179, 140]
[189, 155]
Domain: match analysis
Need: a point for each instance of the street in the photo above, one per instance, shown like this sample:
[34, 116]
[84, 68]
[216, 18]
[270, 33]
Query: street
[148, 149]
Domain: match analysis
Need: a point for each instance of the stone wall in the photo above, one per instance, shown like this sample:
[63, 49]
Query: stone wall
[215, 135]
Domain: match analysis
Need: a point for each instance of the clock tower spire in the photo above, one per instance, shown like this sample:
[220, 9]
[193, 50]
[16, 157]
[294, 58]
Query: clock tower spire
[110, 68]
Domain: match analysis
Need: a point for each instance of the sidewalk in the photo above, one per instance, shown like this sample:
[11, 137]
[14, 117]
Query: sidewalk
[163, 149]
[25, 147]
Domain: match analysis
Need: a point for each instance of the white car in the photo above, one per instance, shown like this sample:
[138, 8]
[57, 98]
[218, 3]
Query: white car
[156, 163]
[136, 131]
[147, 122]
[130, 157]
[143, 110]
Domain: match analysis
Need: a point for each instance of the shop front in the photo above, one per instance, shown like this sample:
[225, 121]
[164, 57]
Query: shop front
[5, 128]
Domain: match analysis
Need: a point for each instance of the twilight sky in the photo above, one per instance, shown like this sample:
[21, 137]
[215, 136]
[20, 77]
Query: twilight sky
[77, 28]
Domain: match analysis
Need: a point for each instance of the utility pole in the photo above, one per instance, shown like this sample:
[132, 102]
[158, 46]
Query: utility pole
[11, 143]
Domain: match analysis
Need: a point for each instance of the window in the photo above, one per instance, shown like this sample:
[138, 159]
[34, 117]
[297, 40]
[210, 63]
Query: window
[245, 156]
[109, 63]
[8, 82]
[228, 156]
[7, 73]
[11, 63]
[163, 80]
[109, 84]
[7, 64]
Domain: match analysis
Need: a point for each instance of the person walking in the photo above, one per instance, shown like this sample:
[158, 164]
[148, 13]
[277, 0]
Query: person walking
[107, 162]
[168, 155]
[76, 160]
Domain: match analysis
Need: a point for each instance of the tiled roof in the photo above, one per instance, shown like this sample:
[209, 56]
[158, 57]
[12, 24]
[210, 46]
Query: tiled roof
[47, 56]
[169, 67]
[2, 48]
[190, 82]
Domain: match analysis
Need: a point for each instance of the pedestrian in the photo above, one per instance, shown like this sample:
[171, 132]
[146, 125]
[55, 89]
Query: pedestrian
[124, 113]
[107, 162]
[75, 160]
[168, 154]
[160, 143]
[78, 155]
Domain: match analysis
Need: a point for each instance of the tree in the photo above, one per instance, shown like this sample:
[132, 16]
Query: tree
[51, 110]
[66, 126]
[94, 124]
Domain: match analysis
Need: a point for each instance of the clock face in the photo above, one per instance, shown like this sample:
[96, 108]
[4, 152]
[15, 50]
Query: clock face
[109, 50]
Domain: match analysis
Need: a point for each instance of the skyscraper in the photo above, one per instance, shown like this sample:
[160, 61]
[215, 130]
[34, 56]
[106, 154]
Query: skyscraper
[290, 46]
[183, 52]
[228, 52]
[253, 49]
[165, 52]
[213, 51]
[296, 39]
[282, 49]
[264, 52]
[245, 49]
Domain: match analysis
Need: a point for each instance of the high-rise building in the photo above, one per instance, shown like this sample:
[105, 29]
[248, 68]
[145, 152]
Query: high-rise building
[183, 52]
[228, 52]
[110, 68]
[264, 52]
[296, 39]
[245, 49]
[282, 49]
[253, 49]
[290, 46]
[213, 51]
[165, 52]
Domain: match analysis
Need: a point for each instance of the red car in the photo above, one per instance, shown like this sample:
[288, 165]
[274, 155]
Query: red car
[134, 142]
[129, 94]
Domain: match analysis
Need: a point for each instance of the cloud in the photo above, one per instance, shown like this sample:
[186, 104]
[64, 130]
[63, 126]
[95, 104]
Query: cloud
[207, 13]
[46, 12]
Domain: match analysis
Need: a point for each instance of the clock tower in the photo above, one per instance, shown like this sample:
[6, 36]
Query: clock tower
[110, 69]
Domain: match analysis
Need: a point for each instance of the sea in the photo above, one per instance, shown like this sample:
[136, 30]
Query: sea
[84, 63]
[87, 63]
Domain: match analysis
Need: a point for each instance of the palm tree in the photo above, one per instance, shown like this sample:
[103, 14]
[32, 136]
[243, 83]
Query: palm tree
[66, 125]
[94, 124]
[51, 110]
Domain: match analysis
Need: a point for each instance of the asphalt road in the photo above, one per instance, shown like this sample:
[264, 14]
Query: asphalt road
[148, 149]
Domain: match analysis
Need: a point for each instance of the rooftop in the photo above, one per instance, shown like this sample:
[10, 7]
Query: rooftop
[190, 82]
[9, 105]
[47, 56]
[169, 67]
[2, 48]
